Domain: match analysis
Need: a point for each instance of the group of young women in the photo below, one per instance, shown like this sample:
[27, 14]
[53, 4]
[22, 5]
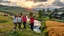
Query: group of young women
[19, 19]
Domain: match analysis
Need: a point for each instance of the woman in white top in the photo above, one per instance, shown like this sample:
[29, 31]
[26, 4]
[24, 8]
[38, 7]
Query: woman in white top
[19, 22]
[15, 21]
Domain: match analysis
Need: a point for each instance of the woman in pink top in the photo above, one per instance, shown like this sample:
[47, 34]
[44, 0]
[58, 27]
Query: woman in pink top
[32, 22]
[24, 19]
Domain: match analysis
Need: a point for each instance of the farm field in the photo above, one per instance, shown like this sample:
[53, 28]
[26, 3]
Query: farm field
[55, 28]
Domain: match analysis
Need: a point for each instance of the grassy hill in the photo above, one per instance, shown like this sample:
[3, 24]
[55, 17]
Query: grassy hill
[6, 23]
[13, 10]
[6, 26]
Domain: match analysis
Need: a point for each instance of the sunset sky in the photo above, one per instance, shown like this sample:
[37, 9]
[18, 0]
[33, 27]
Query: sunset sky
[31, 4]
[37, 3]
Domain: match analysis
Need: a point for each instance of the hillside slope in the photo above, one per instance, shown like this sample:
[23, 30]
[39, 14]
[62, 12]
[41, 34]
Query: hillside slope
[13, 10]
[6, 27]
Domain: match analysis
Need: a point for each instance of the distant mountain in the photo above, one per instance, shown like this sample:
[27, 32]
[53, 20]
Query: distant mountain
[44, 7]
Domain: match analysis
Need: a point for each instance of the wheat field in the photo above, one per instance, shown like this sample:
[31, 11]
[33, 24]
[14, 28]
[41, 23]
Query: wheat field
[55, 28]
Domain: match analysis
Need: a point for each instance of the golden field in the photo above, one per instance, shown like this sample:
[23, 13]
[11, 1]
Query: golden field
[55, 28]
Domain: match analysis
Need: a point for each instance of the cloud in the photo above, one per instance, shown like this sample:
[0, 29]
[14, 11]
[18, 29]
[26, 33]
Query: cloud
[33, 3]
[4, 1]
[58, 3]
[1, 1]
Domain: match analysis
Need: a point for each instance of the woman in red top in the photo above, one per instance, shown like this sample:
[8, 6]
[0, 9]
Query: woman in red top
[24, 19]
[32, 22]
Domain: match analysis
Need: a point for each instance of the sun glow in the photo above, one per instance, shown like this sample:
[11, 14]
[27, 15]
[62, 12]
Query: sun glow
[30, 4]
[26, 4]
[62, 0]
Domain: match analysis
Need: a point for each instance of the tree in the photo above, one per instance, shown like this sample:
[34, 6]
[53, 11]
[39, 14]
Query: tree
[56, 10]
[40, 13]
[48, 10]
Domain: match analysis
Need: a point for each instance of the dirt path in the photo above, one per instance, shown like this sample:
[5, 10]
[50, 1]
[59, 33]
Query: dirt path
[55, 28]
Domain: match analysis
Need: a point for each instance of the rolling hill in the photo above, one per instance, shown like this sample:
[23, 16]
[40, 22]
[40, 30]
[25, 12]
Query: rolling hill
[13, 10]
[6, 26]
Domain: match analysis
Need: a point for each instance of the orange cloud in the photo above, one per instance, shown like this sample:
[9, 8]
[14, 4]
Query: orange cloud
[30, 4]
